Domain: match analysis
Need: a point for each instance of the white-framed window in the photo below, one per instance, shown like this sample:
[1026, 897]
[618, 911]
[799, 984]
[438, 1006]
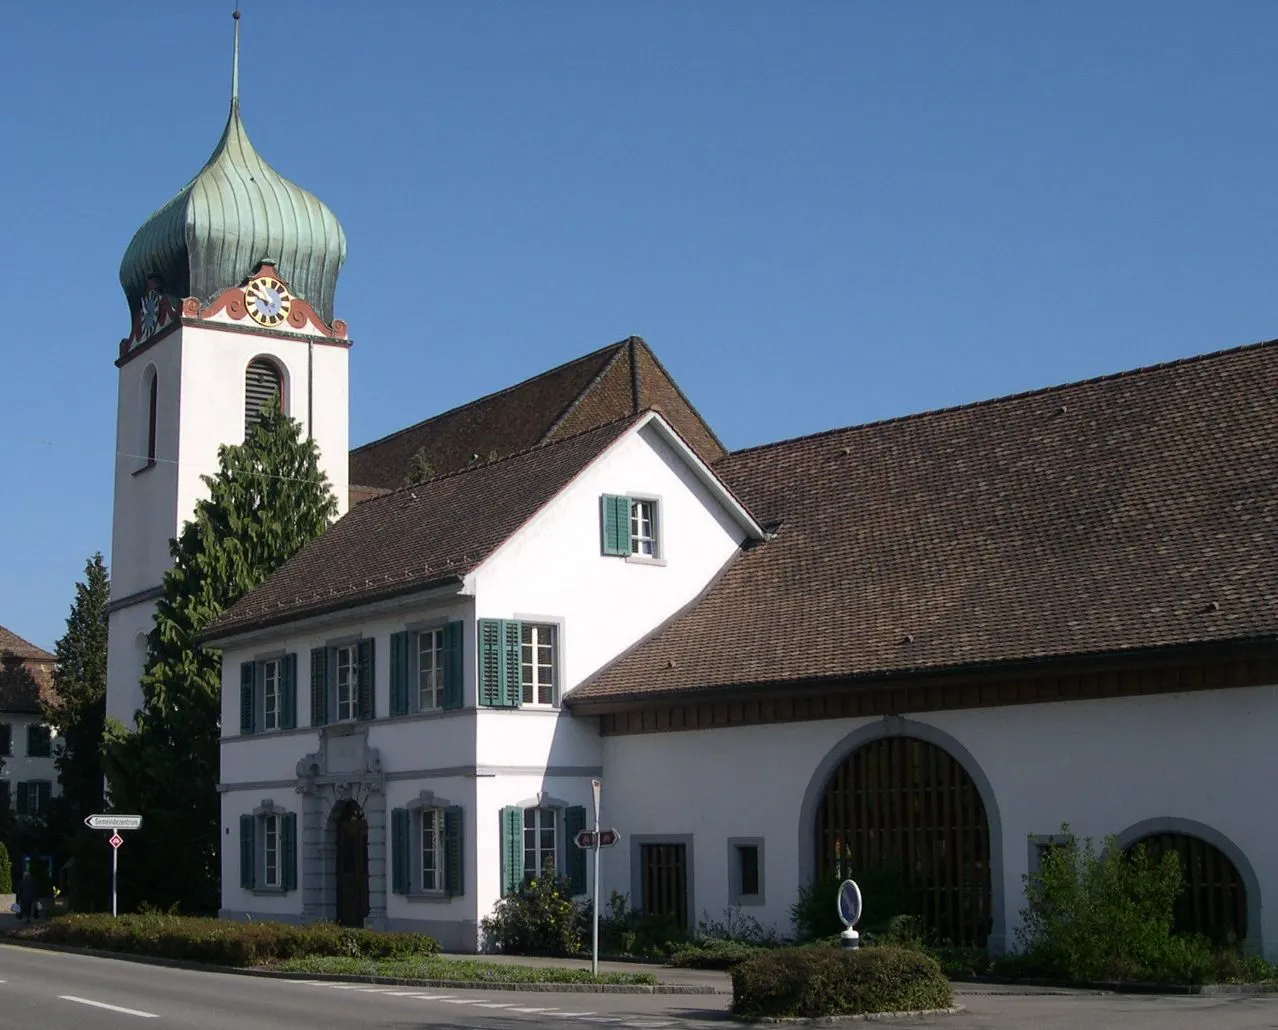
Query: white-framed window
[541, 829]
[272, 694]
[537, 663]
[643, 528]
[430, 669]
[347, 679]
[432, 849]
[271, 851]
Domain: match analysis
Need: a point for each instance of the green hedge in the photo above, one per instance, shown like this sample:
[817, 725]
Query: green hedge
[223, 942]
[713, 954]
[819, 981]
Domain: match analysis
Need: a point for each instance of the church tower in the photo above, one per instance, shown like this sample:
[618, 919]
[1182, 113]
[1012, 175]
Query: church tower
[230, 289]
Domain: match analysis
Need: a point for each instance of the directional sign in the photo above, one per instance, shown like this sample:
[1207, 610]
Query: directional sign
[586, 839]
[113, 822]
[116, 840]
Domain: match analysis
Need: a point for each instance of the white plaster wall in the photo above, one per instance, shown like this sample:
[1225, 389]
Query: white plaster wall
[1101, 766]
[18, 765]
[126, 655]
[234, 897]
[553, 569]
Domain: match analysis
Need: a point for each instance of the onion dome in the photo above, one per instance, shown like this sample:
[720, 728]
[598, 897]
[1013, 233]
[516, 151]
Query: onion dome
[237, 212]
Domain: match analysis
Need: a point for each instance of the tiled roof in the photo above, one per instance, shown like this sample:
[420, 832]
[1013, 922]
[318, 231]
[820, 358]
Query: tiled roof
[620, 380]
[1130, 512]
[12, 644]
[418, 537]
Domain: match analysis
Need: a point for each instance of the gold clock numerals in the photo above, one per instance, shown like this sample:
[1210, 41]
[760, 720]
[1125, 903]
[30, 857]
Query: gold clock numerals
[268, 301]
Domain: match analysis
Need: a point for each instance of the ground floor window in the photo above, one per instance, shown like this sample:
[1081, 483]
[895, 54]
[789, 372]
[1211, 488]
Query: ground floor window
[268, 849]
[539, 842]
[663, 872]
[426, 848]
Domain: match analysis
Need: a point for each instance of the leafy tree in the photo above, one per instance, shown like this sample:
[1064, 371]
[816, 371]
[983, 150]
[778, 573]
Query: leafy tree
[419, 468]
[268, 499]
[6, 871]
[78, 709]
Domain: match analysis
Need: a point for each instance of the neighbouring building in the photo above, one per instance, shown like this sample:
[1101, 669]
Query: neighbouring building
[923, 644]
[28, 777]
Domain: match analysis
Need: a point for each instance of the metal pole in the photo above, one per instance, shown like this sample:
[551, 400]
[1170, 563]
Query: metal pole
[594, 947]
[115, 856]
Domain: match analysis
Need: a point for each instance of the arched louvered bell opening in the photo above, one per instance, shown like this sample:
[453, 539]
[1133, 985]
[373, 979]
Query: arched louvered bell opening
[262, 385]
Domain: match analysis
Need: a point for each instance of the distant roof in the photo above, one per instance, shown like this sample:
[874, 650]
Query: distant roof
[12, 645]
[1131, 512]
[618, 381]
[418, 537]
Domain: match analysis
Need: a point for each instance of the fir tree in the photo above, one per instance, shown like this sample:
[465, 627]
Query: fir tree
[268, 499]
[78, 710]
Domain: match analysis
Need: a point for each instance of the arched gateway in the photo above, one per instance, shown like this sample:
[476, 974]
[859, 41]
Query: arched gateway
[900, 808]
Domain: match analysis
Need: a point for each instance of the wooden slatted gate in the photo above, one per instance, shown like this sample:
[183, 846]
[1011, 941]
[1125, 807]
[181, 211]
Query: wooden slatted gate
[907, 805]
[665, 881]
[1214, 901]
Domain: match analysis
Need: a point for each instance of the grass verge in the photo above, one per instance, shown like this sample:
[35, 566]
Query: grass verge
[459, 970]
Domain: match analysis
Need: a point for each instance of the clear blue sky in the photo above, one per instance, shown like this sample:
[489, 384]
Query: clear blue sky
[818, 214]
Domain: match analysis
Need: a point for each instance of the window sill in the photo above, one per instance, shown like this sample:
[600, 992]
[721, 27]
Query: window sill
[150, 464]
[746, 900]
[428, 897]
[641, 559]
[269, 892]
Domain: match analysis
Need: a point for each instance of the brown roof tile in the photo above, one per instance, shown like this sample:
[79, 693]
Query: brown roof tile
[417, 537]
[12, 644]
[1134, 511]
[591, 391]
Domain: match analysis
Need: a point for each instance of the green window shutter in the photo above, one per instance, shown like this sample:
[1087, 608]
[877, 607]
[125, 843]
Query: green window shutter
[366, 681]
[6, 739]
[454, 855]
[490, 664]
[512, 688]
[453, 636]
[248, 853]
[399, 673]
[575, 858]
[288, 849]
[24, 799]
[512, 850]
[401, 849]
[44, 792]
[248, 679]
[319, 686]
[288, 720]
[616, 525]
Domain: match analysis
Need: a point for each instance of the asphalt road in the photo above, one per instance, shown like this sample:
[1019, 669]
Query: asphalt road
[53, 991]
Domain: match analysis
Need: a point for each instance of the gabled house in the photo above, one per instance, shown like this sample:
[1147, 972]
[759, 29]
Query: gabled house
[920, 645]
[28, 777]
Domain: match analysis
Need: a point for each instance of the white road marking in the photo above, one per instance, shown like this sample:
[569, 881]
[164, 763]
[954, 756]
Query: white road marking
[534, 1010]
[574, 1015]
[602, 1019]
[460, 1001]
[374, 990]
[496, 1005]
[104, 1005]
[346, 987]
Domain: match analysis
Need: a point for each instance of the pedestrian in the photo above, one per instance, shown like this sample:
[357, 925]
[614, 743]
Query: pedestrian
[26, 896]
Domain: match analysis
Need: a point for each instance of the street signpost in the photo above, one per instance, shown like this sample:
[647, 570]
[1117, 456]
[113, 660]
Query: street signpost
[114, 823]
[606, 838]
[596, 840]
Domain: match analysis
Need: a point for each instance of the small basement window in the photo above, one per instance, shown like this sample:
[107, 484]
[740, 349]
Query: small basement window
[745, 871]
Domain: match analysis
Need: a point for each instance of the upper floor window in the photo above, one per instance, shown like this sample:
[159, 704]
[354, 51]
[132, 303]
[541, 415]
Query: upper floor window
[631, 527]
[263, 385]
[39, 742]
[426, 669]
[342, 682]
[268, 694]
[31, 798]
[518, 663]
[6, 738]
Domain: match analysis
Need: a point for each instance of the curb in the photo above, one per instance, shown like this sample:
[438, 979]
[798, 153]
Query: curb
[1112, 987]
[389, 981]
[860, 1017]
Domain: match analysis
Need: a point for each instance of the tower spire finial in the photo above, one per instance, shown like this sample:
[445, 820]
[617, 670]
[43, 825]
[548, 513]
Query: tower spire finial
[235, 61]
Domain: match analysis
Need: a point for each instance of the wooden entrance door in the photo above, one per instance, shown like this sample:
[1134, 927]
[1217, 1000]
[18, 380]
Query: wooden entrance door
[352, 865]
[664, 870]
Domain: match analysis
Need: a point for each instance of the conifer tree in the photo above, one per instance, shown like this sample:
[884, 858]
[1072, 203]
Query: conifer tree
[78, 710]
[268, 499]
[419, 468]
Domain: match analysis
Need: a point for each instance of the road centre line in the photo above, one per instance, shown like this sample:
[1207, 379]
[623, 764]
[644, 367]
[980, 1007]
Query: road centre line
[112, 1008]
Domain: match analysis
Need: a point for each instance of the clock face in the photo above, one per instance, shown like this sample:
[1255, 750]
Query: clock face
[148, 314]
[267, 301]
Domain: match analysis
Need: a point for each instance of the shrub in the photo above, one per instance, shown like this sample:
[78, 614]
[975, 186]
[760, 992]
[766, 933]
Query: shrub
[712, 953]
[819, 980]
[541, 919]
[6, 871]
[623, 932]
[223, 942]
[1108, 916]
[738, 927]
